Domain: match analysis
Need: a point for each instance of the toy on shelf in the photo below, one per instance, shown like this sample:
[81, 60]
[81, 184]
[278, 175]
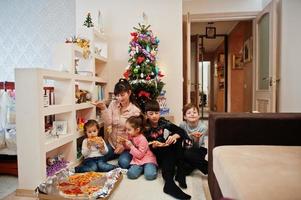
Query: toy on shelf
[55, 164]
[80, 124]
[82, 96]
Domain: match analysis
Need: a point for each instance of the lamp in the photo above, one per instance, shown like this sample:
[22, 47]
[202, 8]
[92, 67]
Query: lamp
[210, 31]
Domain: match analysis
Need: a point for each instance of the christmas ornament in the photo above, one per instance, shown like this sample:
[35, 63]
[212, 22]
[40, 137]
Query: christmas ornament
[88, 22]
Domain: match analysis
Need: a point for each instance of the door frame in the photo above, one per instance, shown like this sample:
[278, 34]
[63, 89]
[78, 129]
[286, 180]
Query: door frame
[213, 17]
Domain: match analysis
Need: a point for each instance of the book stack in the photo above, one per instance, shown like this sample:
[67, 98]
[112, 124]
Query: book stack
[49, 99]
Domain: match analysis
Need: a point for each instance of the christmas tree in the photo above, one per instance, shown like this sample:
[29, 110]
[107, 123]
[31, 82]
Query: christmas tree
[88, 22]
[142, 71]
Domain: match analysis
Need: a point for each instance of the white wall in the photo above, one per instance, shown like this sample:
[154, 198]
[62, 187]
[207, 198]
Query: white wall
[28, 31]
[218, 6]
[165, 18]
[290, 89]
[265, 3]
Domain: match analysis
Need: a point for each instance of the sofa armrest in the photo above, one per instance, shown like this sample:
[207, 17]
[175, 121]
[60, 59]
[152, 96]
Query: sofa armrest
[250, 129]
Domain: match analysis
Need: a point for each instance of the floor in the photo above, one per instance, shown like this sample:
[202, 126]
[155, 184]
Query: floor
[8, 184]
[150, 189]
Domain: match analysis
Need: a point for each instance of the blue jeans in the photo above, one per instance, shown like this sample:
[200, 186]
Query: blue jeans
[96, 164]
[124, 158]
[150, 171]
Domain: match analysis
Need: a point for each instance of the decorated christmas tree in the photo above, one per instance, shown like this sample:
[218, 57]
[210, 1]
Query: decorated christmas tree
[142, 71]
[88, 22]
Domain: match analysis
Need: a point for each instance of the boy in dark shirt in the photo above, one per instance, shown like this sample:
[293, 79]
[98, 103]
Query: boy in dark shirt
[169, 151]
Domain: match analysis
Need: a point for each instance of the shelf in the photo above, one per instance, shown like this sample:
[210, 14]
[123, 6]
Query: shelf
[81, 106]
[99, 80]
[100, 36]
[56, 109]
[53, 142]
[83, 78]
[100, 58]
[56, 75]
[31, 113]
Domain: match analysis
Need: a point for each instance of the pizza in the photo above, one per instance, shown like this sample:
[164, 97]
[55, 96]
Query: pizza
[80, 184]
[121, 139]
[97, 141]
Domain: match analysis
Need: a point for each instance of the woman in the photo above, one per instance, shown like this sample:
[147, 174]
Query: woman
[115, 117]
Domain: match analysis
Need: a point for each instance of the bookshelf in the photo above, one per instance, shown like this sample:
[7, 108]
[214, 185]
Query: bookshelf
[34, 145]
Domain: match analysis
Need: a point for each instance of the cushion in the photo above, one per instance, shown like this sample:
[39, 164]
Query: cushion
[258, 172]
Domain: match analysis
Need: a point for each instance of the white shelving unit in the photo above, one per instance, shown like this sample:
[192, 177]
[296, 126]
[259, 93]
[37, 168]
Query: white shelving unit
[34, 146]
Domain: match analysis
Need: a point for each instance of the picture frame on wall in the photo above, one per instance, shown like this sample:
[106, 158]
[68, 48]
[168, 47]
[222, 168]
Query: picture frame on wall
[221, 58]
[237, 61]
[210, 32]
[247, 51]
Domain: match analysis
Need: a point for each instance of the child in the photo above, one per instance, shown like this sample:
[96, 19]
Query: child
[93, 149]
[143, 158]
[169, 151]
[195, 156]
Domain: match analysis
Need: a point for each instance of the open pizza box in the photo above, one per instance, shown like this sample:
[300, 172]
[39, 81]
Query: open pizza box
[66, 185]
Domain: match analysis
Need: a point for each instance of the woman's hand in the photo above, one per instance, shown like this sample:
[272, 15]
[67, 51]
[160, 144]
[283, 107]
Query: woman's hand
[172, 139]
[99, 104]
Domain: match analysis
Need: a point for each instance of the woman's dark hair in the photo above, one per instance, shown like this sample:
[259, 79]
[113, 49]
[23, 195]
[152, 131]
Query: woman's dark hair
[137, 122]
[152, 105]
[90, 123]
[123, 86]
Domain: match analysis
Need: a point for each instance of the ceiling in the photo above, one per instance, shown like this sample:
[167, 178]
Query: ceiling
[224, 27]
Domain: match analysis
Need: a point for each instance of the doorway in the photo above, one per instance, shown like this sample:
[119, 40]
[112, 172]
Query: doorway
[230, 87]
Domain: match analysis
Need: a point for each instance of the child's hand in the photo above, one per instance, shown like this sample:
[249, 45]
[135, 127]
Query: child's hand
[119, 149]
[172, 139]
[197, 134]
[128, 143]
[156, 144]
[99, 104]
[89, 144]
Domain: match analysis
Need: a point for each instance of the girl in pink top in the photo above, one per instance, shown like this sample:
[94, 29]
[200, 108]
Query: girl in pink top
[143, 157]
[115, 117]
